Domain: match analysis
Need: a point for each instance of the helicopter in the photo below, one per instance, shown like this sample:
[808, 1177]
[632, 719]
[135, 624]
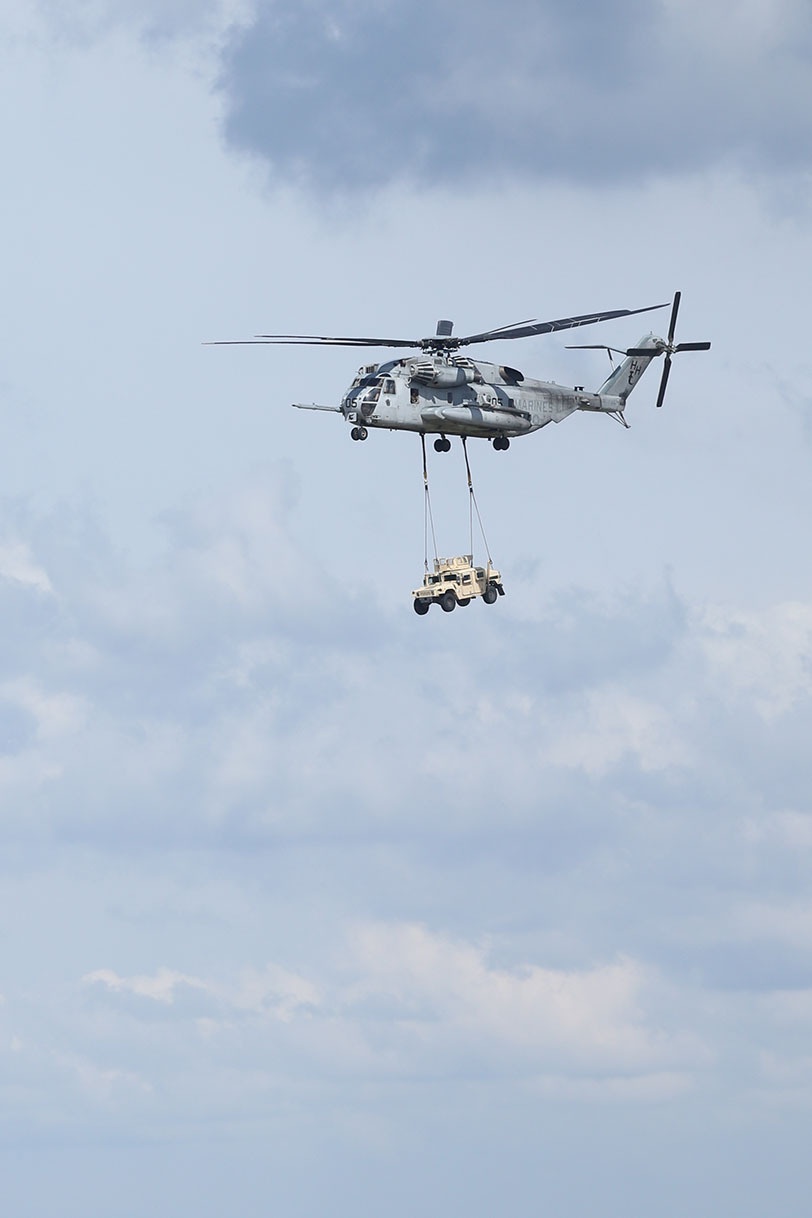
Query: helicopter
[439, 391]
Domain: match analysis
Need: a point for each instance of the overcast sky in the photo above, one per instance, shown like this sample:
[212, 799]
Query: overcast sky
[313, 906]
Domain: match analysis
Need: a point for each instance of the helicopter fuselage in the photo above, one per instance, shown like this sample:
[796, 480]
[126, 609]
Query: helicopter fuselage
[453, 395]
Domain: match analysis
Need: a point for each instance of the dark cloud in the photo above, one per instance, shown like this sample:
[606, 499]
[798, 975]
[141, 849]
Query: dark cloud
[362, 93]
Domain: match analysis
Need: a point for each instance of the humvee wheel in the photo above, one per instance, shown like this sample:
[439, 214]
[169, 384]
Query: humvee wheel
[421, 606]
[448, 601]
[465, 600]
[490, 594]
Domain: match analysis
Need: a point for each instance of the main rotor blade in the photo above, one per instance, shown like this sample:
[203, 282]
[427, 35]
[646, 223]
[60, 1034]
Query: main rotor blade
[266, 342]
[322, 340]
[514, 325]
[549, 327]
[664, 381]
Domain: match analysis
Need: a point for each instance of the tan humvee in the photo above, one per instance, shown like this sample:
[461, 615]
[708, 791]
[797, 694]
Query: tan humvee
[456, 581]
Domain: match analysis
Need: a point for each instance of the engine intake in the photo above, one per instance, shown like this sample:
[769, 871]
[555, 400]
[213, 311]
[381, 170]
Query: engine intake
[443, 376]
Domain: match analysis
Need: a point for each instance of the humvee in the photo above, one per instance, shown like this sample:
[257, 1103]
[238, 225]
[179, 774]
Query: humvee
[456, 581]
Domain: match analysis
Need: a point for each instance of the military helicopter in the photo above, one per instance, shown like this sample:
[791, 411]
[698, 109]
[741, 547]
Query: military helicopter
[442, 392]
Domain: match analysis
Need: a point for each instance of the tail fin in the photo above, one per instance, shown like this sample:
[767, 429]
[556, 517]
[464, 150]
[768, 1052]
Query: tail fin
[624, 378]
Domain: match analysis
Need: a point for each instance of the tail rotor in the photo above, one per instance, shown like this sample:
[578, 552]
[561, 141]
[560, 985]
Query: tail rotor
[669, 349]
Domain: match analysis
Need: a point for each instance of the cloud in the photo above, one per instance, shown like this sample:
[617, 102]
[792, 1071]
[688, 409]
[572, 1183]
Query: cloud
[359, 94]
[17, 565]
[596, 754]
[159, 988]
[399, 1000]
[613, 725]
[767, 655]
[448, 995]
[210, 696]
[270, 992]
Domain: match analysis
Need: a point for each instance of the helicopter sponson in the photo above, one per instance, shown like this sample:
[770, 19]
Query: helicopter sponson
[476, 420]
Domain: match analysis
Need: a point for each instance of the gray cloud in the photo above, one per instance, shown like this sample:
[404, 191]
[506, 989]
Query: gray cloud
[359, 94]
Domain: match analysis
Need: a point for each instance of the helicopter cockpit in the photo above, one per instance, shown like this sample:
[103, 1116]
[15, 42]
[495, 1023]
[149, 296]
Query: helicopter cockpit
[365, 391]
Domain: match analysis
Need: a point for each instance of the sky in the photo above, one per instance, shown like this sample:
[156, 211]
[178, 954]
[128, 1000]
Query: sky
[312, 906]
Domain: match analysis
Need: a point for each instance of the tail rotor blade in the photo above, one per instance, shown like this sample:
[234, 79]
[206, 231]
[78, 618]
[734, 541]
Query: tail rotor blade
[692, 347]
[664, 381]
[673, 323]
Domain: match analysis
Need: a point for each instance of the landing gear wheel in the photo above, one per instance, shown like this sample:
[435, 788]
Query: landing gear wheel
[421, 606]
[448, 602]
[501, 443]
[354, 434]
[442, 445]
[363, 433]
[489, 595]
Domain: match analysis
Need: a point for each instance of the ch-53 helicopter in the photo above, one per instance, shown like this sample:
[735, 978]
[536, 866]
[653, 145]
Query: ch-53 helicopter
[440, 392]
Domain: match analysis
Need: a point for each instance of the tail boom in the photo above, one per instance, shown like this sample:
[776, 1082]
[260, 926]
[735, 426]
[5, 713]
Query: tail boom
[624, 378]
